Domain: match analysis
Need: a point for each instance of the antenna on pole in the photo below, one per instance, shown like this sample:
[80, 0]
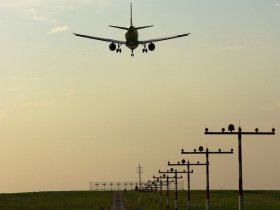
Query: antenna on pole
[139, 171]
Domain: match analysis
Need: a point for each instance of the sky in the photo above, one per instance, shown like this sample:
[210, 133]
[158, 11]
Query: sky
[72, 111]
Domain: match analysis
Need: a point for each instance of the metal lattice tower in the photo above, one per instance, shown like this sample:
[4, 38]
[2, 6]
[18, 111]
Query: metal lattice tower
[140, 171]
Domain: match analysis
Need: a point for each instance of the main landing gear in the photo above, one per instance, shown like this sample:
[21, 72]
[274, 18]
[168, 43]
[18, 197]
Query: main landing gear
[145, 50]
[119, 50]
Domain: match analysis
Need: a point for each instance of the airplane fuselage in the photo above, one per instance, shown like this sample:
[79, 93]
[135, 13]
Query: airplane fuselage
[131, 37]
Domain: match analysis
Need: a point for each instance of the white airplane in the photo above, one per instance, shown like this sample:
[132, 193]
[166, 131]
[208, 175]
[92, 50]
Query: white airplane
[131, 37]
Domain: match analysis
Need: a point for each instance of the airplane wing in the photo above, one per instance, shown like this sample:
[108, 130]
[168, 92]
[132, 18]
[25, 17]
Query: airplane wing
[162, 39]
[100, 38]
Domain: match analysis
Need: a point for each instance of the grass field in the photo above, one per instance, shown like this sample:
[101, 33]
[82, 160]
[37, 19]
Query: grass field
[55, 201]
[84, 200]
[219, 200]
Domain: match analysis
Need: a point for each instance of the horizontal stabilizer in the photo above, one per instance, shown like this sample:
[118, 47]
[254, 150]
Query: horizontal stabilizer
[144, 27]
[119, 27]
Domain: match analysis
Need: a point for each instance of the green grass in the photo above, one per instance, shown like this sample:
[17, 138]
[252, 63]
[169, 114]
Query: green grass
[84, 200]
[55, 201]
[219, 200]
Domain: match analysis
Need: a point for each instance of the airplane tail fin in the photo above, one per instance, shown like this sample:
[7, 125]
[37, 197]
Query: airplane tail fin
[126, 28]
[131, 20]
[131, 14]
[121, 27]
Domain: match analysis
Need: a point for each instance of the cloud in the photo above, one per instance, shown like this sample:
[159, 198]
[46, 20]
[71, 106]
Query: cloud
[17, 3]
[58, 29]
[277, 4]
[37, 17]
[53, 3]
[34, 14]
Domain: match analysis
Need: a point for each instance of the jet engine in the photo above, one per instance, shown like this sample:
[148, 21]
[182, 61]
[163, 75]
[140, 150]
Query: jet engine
[151, 46]
[112, 46]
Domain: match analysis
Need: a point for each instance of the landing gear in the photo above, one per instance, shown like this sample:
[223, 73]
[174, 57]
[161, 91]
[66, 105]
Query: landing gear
[145, 50]
[119, 50]
[132, 54]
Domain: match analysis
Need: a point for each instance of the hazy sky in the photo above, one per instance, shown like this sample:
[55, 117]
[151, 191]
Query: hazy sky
[72, 111]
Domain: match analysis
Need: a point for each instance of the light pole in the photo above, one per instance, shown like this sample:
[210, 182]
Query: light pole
[104, 184]
[164, 176]
[188, 164]
[96, 185]
[154, 188]
[159, 179]
[118, 186]
[150, 189]
[111, 186]
[90, 186]
[207, 152]
[175, 172]
[239, 133]
[160, 187]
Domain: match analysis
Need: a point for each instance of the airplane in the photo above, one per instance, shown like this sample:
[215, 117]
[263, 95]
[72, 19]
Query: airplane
[131, 38]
